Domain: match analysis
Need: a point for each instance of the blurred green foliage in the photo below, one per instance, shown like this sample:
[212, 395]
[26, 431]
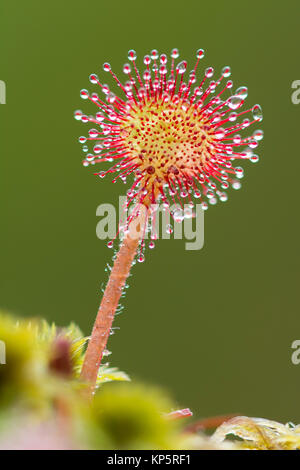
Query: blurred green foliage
[41, 393]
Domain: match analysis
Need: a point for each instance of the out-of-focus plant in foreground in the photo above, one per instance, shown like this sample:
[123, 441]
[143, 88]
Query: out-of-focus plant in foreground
[43, 404]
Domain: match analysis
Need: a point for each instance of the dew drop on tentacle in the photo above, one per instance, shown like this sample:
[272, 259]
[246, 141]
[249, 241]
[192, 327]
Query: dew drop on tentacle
[253, 144]
[232, 117]
[223, 197]
[93, 133]
[84, 94]
[106, 67]
[97, 148]
[200, 54]
[236, 185]
[147, 59]
[242, 92]
[132, 55]
[141, 258]
[226, 71]
[126, 69]
[220, 133]
[209, 72]
[174, 53]
[105, 89]
[239, 172]
[106, 352]
[257, 113]
[234, 102]
[163, 59]
[78, 115]
[254, 158]
[225, 185]
[94, 78]
[258, 135]
[154, 54]
[90, 157]
[181, 67]
[237, 139]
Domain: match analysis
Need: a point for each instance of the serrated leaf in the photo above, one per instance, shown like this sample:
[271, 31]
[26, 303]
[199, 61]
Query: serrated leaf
[110, 374]
[260, 434]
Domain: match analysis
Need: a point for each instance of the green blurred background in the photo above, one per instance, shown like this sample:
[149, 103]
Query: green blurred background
[214, 327]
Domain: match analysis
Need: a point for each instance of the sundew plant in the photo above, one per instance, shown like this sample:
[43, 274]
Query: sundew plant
[178, 137]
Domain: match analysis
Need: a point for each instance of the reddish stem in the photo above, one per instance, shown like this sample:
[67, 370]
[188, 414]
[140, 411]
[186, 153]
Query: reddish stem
[108, 306]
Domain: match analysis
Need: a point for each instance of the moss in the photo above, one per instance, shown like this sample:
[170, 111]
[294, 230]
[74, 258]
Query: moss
[132, 416]
[26, 361]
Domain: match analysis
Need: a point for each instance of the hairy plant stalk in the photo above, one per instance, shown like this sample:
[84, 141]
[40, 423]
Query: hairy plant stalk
[109, 304]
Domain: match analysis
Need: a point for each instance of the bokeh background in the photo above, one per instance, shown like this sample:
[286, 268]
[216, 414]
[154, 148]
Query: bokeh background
[214, 327]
